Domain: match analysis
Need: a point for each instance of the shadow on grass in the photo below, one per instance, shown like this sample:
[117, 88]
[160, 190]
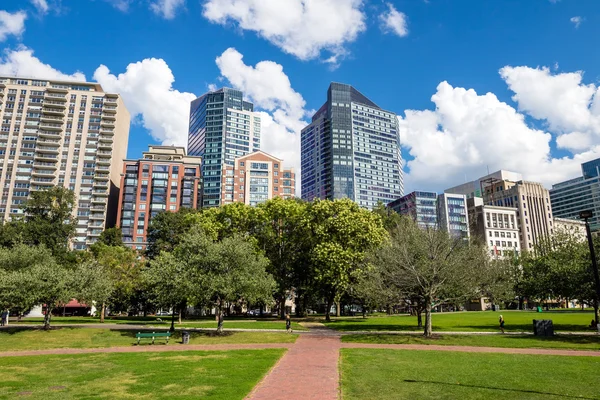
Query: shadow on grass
[500, 389]
[176, 336]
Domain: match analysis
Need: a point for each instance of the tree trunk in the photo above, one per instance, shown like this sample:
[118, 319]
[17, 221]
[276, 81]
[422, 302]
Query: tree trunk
[262, 310]
[102, 312]
[596, 311]
[338, 309]
[219, 319]
[419, 318]
[47, 317]
[428, 330]
[328, 310]
[282, 306]
[172, 328]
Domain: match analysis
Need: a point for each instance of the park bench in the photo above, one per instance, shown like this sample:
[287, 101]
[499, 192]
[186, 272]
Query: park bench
[153, 335]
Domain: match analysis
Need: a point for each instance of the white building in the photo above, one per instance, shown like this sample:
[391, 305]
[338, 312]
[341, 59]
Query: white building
[496, 226]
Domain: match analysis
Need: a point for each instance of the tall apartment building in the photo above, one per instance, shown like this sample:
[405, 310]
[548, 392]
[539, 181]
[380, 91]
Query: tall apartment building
[256, 178]
[351, 149]
[420, 206]
[532, 200]
[164, 179]
[495, 226]
[452, 214]
[71, 134]
[571, 197]
[223, 126]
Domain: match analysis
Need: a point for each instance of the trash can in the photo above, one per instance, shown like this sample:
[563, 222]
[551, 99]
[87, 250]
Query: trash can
[539, 308]
[185, 337]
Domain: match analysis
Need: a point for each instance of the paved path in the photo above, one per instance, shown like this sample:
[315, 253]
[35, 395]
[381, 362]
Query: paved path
[309, 370]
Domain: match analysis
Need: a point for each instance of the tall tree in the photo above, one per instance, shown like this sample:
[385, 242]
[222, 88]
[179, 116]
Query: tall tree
[167, 228]
[111, 237]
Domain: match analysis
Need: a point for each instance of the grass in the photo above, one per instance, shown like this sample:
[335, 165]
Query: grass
[234, 323]
[404, 374]
[571, 342]
[178, 375]
[471, 321]
[34, 339]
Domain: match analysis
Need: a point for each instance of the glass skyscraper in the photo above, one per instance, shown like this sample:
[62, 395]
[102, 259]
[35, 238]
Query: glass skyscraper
[351, 149]
[571, 197]
[222, 127]
[422, 207]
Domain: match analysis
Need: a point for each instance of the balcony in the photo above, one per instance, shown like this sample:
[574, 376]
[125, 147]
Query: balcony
[43, 181]
[109, 110]
[107, 132]
[45, 165]
[51, 118]
[105, 145]
[102, 168]
[105, 161]
[51, 126]
[108, 101]
[45, 157]
[105, 138]
[109, 117]
[98, 200]
[97, 216]
[49, 134]
[100, 193]
[54, 97]
[43, 173]
[64, 89]
[101, 177]
[49, 142]
[47, 149]
[55, 104]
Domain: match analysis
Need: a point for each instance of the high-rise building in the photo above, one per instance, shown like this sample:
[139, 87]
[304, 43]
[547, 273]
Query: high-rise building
[351, 149]
[571, 197]
[495, 226]
[452, 214]
[222, 127]
[70, 134]
[256, 178]
[532, 200]
[420, 206]
[475, 188]
[164, 179]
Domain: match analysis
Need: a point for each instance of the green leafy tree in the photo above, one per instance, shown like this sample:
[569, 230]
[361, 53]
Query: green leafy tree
[167, 228]
[390, 218]
[341, 235]
[111, 237]
[94, 284]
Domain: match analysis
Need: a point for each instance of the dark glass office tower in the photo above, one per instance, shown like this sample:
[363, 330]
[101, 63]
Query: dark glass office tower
[222, 127]
[351, 149]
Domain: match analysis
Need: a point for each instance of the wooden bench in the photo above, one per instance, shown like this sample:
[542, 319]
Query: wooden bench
[153, 335]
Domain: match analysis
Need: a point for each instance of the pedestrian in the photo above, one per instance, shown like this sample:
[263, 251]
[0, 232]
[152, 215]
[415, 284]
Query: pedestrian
[4, 318]
[288, 323]
[501, 320]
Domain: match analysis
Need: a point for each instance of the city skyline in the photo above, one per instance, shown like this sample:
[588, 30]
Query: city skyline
[444, 140]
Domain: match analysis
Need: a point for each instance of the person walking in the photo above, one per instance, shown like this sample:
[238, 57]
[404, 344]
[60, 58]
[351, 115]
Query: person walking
[288, 323]
[501, 321]
[4, 318]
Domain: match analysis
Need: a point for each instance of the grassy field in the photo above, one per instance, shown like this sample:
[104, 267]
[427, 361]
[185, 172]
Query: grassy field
[179, 375]
[235, 323]
[486, 321]
[403, 374]
[570, 342]
[28, 339]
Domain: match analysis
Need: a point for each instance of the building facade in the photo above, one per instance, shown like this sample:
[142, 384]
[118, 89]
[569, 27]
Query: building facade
[223, 126]
[351, 149]
[495, 226]
[69, 134]
[476, 188]
[452, 214]
[571, 227]
[571, 197]
[164, 179]
[256, 178]
[420, 206]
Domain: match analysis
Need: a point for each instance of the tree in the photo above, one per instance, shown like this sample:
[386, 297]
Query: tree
[389, 217]
[431, 266]
[341, 235]
[94, 284]
[167, 228]
[111, 237]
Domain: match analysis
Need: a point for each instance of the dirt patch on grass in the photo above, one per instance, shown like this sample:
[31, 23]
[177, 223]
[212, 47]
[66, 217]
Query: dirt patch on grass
[187, 358]
[196, 391]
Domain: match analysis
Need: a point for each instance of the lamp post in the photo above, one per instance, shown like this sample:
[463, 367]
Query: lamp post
[585, 215]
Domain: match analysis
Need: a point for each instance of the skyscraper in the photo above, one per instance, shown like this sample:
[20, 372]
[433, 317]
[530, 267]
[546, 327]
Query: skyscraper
[571, 197]
[452, 214]
[71, 134]
[164, 179]
[351, 149]
[422, 207]
[222, 127]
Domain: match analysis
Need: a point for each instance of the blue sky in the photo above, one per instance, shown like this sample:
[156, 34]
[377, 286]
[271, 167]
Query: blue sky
[284, 54]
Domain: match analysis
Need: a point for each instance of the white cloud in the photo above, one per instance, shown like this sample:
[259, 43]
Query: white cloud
[22, 62]
[269, 88]
[468, 132]
[576, 21]
[303, 28]
[147, 89]
[121, 5]
[394, 21]
[12, 24]
[167, 8]
[41, 5]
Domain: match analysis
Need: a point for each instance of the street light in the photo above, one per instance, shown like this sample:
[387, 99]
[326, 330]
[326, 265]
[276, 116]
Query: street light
[585, 215]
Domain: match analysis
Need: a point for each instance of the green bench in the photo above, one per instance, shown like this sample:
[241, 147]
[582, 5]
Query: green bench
[153, 335]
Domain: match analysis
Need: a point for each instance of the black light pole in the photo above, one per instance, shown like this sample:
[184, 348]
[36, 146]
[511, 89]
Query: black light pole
[585, 215]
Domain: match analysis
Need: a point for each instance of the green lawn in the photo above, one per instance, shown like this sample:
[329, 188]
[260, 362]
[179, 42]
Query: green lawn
[404, 374]
[30, 339]
[517, 341]
[234, 323]
[486, 321]
[180, 375]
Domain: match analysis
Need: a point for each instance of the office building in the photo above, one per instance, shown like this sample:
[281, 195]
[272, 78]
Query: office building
[452, 214]
[496, 226]
[164, 179]
[475, 188]
[223, 126]
[571, 227]
[351, 149]
[69, 134]
[256, 178]
[571, 197]
[420, 206]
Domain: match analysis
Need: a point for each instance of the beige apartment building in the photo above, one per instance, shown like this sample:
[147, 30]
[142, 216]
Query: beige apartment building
[496, 227]
[64, 133]
[256, 178]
